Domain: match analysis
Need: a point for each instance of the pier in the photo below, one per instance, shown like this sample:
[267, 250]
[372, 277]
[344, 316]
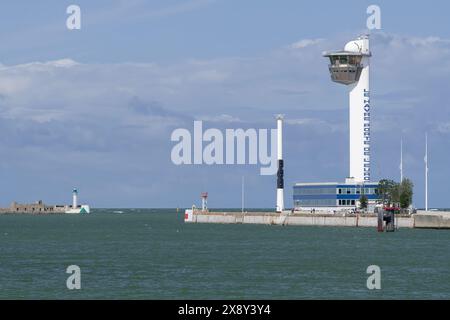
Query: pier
[421, 219]
[40, 208]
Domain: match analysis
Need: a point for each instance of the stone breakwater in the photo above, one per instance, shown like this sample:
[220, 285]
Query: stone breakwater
[34, 208]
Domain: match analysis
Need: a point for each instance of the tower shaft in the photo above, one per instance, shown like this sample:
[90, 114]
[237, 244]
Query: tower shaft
[359, 126]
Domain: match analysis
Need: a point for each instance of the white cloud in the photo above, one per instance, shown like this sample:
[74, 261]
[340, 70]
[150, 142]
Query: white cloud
[318, 124]
[427, 41]
[61, 63]
[305, 43]
[13, 85]
[210, 75]
[305, 121]
[443, 127]
[222, 118]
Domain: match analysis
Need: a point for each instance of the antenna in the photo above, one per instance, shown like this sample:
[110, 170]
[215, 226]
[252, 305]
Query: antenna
[401, 160]
[242, 194]
[426, 171]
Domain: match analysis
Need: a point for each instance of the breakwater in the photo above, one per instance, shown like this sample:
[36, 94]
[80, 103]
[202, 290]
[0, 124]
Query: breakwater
[421, 219]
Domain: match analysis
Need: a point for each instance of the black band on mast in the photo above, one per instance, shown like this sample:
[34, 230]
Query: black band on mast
[280, 175]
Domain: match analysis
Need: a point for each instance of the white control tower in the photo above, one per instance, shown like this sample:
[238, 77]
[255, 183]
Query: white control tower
[351, 67]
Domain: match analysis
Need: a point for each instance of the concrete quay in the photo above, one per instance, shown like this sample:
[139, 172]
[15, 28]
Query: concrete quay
[432, 219]
[422, 219]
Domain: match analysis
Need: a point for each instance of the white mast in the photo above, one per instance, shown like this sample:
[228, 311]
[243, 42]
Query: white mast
[280, 173]
[401, 160]
[242, 194]
[426, 172]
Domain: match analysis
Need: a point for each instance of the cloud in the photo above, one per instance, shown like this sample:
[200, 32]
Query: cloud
[443, 127]
[305, 43]
[43, 66]
[304, 121]
[319, 124]
[111, 123]
[154, 109]
[222, 118]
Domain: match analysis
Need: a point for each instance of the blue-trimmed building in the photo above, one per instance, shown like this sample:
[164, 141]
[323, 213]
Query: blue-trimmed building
[333, 195]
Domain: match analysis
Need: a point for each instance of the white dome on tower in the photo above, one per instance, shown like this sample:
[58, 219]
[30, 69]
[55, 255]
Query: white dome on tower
[360, 45]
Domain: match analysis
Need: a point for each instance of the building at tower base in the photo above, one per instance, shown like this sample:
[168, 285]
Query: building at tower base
[334, 196]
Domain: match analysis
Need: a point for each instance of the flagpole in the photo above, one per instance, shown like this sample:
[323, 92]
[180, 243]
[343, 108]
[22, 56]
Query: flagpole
[401, 160]
[242, 195]
[426, 172]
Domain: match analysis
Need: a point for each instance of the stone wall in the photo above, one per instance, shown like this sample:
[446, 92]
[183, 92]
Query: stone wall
[33, 208]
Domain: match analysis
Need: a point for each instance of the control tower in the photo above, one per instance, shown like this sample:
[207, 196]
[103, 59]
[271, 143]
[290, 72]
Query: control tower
[351, 68]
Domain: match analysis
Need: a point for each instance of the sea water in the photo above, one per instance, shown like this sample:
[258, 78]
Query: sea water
[153, 254]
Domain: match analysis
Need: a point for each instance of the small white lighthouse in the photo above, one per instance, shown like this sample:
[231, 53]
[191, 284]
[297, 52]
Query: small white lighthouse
[74, 208]
[74, 198]
[280, 173]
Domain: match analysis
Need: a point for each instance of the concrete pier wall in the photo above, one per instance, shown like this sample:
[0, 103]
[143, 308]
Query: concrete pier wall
[438, 220]
[432, 219]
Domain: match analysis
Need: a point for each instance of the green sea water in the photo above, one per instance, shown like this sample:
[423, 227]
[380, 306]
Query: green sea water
[152, 254]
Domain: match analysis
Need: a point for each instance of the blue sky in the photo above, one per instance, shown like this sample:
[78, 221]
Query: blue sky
[94, 108]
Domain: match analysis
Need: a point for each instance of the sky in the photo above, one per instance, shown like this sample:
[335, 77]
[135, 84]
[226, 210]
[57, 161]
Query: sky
[95, 108]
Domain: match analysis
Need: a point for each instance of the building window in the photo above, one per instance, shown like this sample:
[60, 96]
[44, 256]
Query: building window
[343, 59]
[314, 190]
[317, 203]
[353, 202]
